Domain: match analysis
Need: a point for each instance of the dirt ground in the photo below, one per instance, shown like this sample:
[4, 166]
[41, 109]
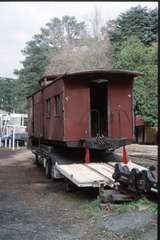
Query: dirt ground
[33, 207]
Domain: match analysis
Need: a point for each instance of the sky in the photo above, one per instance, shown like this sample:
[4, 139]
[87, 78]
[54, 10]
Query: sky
[21, 20]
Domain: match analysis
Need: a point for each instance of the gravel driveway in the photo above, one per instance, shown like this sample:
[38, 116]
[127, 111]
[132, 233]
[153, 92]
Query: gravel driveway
[33, 207]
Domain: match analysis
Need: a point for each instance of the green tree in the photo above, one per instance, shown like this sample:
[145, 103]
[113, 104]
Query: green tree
[134, 55]
[134, 39]
[51, 38]
[139, 21]
[33, 68]
[8, 96]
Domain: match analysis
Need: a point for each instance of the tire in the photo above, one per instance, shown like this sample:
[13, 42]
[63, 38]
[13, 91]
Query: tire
[117, 172]
[70, 187]
[133, 179]
[52, 171]
[48, 169]
[149, 180]
[126, 170]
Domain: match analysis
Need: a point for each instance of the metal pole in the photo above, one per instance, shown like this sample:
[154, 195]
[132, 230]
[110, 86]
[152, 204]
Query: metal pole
[0, 142]
[13, 142]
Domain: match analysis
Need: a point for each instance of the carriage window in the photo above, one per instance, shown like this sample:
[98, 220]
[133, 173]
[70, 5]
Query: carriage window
[58, 105]
[48, 107]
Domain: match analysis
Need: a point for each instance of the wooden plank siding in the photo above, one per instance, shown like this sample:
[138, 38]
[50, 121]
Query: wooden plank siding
[74, 121]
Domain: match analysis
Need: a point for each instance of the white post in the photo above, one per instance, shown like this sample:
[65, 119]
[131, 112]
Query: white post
[17, 145]
[10, 143]
[7, 131]
[5, 143]
[13, 139]
[1, 127]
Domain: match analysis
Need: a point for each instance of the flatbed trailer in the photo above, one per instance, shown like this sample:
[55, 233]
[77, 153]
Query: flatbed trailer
[99, 174]
[92, 174]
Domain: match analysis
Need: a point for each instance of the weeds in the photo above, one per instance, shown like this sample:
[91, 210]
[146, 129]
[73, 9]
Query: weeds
[95, 205]
[94, 212]
[128, 207]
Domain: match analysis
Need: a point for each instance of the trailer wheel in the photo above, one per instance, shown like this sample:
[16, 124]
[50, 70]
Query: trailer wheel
[48, 169]
[70, 187]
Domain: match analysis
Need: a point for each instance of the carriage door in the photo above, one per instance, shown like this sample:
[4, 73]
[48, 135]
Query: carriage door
[98, 100]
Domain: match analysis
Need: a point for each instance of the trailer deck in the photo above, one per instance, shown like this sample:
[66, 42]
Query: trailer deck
[88, 174]
[91, 174]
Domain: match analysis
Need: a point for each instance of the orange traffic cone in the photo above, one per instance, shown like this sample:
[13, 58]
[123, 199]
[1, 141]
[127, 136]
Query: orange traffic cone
[87, 155]
[124, 156]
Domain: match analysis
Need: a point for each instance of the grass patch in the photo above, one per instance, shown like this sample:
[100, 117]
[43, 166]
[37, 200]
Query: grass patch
[134, 205]
[94, 212]
[4, 149]
[10, 149]
[95, 205]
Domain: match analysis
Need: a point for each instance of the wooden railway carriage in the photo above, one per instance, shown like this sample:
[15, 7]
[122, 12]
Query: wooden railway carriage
[76, 111]
[90, 108]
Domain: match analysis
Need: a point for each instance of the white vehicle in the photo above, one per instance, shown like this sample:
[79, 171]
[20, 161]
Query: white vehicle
[8, 121]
